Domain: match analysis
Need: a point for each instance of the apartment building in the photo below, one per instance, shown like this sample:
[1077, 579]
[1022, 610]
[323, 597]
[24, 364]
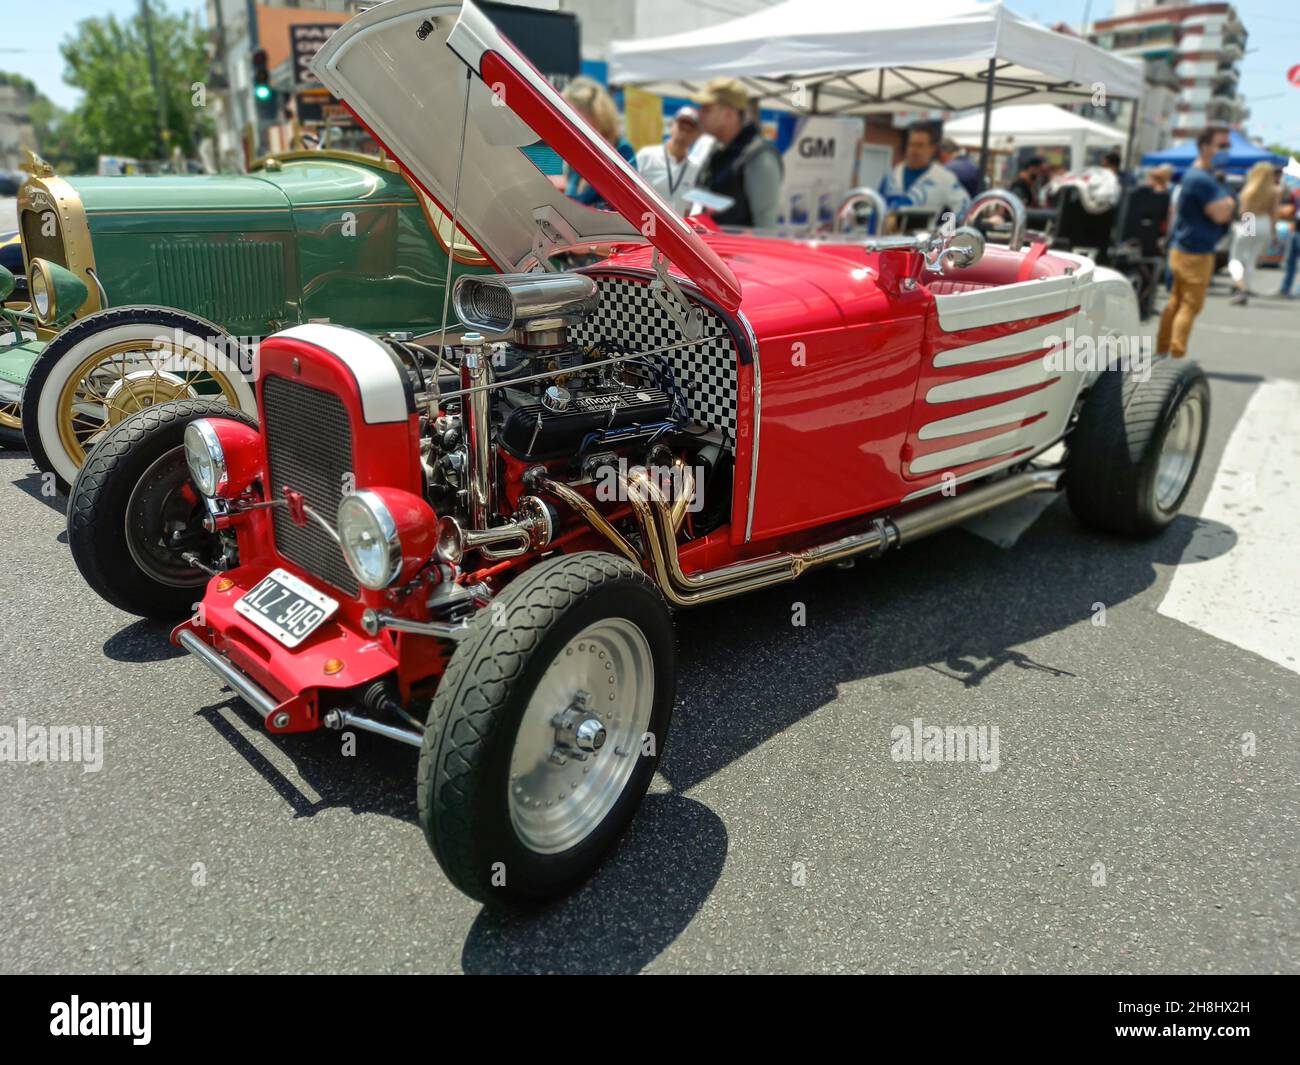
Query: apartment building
[1197, 47]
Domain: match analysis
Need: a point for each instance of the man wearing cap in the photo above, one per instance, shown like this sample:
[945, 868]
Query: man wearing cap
[742, 166]
[671, 167]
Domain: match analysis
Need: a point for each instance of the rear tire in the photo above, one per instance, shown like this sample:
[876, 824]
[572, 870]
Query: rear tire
[509, 826]
[1136, 449]
[116, 533]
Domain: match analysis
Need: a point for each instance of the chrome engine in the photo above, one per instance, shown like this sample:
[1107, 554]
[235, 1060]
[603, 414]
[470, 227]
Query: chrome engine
[546, 397]
[522, 385]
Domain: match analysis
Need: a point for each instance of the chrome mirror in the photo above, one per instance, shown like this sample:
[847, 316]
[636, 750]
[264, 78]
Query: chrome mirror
[964, 248]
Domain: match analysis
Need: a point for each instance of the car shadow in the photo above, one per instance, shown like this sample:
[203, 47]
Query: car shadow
[956, 605]
[142, 641]
[661, 873]
[640, 900]
[24, 476]
[376, 779]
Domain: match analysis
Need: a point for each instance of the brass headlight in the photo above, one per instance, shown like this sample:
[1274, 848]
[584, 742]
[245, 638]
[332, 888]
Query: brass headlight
[57, 293]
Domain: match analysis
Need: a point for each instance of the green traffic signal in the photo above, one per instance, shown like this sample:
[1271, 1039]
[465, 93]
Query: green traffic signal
[262, 92]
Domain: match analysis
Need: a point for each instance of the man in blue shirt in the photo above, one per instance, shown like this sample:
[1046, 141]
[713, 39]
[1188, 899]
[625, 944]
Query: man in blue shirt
[920, 181]
[1204, 210]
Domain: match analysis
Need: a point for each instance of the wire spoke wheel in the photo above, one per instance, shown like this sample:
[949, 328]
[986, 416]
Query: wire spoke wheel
[116, 382]
[11, 415]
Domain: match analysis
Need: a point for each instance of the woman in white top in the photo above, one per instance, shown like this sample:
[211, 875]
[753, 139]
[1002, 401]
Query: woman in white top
[671, 168]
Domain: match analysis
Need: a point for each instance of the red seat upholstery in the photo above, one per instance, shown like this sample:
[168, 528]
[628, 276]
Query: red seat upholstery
[946, 286]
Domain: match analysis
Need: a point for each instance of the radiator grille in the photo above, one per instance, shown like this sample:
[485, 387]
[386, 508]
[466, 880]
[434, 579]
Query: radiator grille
[225, 281]
[309, 447]
[39, 243]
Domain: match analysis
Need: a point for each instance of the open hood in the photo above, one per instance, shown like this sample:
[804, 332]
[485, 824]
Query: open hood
[411, 70]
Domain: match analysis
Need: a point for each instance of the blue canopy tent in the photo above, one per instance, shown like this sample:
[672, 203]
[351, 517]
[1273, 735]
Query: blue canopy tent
[1240, 156]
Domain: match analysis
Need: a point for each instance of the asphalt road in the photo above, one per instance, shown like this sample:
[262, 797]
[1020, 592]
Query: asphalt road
[780, 835]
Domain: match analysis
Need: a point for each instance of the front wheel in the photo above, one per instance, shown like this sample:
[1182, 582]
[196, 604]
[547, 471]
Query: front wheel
[134, 513]
[105, 367]
[1137, 447]
[546, 729]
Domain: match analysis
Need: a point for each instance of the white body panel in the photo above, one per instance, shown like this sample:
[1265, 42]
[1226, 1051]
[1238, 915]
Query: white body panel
[378, 376]
[1103, 306]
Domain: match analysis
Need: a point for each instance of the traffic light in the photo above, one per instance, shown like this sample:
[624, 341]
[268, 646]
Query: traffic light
[263, 94]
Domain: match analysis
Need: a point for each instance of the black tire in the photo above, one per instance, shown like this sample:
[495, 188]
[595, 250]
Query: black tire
[465, 762]
[159, 319]
[12, 439]
[1115, 448]
[97, 509]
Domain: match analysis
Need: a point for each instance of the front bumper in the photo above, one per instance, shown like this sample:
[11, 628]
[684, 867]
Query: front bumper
[291, 688]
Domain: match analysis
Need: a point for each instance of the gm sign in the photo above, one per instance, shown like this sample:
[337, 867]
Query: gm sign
[817, 147]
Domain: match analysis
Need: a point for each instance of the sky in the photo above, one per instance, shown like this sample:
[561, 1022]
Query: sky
[29, 46]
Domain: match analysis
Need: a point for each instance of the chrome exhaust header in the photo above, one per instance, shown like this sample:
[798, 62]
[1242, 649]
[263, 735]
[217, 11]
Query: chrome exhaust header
[656, 520]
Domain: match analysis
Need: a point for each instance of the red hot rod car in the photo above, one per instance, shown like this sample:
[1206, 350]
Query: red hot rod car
[473, 547]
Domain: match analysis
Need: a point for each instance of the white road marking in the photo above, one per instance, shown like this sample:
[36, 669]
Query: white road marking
[1248, 592]
[1238, 330]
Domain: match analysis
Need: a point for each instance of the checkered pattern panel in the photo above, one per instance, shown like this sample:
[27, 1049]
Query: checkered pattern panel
[705, 372]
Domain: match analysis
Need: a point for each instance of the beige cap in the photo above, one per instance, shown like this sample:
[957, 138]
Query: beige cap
[730, 92]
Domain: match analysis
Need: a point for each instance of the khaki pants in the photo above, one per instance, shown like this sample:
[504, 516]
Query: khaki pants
[1192, 275]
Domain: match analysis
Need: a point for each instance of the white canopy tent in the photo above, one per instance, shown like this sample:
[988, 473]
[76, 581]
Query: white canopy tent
[1040, 124]
[848, 57]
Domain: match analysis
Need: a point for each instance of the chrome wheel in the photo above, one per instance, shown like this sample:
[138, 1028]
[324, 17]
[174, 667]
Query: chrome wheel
[580, 736]
[1178, 453]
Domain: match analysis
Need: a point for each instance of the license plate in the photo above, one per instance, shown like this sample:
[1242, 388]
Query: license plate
[288, 608]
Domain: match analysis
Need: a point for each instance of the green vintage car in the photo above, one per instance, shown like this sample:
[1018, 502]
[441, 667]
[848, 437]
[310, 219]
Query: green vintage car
[143, 289]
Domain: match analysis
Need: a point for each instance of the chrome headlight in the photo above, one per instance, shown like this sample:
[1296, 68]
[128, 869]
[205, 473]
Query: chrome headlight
[205, 457]
[369, 538]
[57, 293]
[39, 289]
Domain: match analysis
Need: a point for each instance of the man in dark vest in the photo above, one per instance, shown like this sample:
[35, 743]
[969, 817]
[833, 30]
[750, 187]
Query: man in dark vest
[742, 166]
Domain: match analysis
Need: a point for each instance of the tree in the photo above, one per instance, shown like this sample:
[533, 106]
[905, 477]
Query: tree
[108, 60]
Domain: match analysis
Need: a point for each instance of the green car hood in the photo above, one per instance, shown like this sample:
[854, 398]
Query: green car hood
[154, 202]
[263, 200]
[325, 182]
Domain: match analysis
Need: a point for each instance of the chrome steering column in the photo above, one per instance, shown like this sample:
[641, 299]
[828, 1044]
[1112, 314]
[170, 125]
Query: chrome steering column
[846, 212]
[1008, 200]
